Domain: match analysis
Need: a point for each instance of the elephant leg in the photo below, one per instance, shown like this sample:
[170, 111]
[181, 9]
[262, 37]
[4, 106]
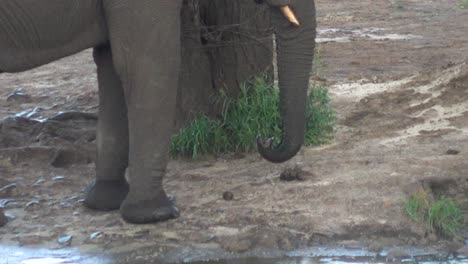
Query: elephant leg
[110, 187]
[145, 40]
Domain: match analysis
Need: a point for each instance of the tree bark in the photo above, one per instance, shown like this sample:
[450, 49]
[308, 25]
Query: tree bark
[224, 44]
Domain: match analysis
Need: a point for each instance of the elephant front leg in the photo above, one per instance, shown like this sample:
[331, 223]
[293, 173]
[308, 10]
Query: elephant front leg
[151, 119]
[145, 41]
[110, 188]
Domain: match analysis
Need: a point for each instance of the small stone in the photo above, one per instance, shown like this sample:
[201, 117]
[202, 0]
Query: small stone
[58, 178]
[39, 182]
[65, 240]
[95, 235]
[10, 216]
[32, 205]
[452, 152]
[19, 97]
[7, 191]
[228, 196]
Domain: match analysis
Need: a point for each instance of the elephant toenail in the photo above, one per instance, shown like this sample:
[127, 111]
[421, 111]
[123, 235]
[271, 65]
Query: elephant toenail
[175, 212]
[171, 198]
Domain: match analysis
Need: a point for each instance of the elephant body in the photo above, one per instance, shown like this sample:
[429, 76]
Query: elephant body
[137, 52]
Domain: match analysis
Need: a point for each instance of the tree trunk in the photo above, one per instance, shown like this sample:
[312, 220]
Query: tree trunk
[224, 44]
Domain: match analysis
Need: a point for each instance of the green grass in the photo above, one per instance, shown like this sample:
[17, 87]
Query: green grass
[442, 216]
[446, 217]
[254, 112]
[463, 4]
[417, 206]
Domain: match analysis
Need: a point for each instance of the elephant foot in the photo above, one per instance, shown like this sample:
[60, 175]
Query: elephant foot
[106, 195]
[149, 211]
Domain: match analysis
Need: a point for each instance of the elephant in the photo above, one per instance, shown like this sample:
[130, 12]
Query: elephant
[136, 47]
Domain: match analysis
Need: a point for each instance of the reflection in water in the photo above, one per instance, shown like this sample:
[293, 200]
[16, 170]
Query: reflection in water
[45, 261]
[26, 255]
[320, 255]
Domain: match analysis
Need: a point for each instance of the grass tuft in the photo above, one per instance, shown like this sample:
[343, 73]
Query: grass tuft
[254, 112]
[463, 4]
[442, 216]
[446, 217]
[417, 206]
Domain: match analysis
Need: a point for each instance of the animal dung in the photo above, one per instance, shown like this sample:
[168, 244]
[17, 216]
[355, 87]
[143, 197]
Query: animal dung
[228, 196]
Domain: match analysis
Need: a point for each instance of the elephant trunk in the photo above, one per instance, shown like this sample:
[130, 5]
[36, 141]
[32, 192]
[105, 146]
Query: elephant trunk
[295, 51]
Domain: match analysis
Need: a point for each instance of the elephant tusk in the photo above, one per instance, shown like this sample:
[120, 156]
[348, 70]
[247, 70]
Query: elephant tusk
[289, 14]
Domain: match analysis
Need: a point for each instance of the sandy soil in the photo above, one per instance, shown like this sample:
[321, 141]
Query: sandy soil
[398, 76]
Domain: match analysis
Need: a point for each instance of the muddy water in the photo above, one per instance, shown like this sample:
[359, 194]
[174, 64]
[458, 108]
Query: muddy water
[24, 255]
[343, 256]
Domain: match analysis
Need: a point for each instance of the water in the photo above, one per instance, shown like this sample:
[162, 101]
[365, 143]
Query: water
[24, 255]
[348, 256]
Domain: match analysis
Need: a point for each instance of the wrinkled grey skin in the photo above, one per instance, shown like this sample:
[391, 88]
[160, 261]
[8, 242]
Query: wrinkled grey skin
[137, 52]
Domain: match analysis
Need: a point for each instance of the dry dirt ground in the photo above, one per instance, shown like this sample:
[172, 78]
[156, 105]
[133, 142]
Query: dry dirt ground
[398, 76]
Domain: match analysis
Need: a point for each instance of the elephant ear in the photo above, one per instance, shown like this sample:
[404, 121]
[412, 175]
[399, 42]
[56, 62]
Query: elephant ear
[275, 2]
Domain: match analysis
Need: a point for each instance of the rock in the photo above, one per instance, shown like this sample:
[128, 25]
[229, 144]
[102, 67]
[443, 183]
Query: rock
[32, 205]
[3, 218]
[7, 191]
[64, 116]
[58, 178]
[19, 97]
[228, 196]
[452, 152]
[395, 254]
[67, 157]
[65, 240]
[39, 182]
[95, 235]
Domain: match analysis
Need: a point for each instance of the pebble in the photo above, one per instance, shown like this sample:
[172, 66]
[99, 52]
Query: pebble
[39, 182]
[95, 235]
[19, 97]
[452, 152]
[65, 240]
[58, 178]
[32, 205]
[6, 191]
